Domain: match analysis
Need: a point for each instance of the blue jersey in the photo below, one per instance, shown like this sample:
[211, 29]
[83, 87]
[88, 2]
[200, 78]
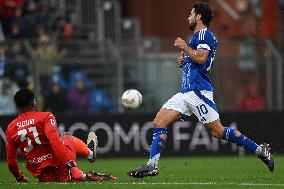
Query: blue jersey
[195, 76]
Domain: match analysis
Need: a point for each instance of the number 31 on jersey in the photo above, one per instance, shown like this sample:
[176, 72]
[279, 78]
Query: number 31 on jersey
[23, 137]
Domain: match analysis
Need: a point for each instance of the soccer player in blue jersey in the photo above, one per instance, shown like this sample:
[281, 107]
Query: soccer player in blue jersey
[196, 96]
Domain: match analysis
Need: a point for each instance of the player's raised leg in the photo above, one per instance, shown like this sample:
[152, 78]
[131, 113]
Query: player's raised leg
[92, 143]
[207, 113]
[232, 135]
[88, 150]
[164, 118]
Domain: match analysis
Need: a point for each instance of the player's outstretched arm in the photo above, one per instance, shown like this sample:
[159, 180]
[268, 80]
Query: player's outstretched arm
[199, 56]
[11, 150]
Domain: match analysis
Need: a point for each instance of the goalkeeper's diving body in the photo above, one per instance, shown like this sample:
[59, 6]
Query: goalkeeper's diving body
[49, 157]
[196, 96]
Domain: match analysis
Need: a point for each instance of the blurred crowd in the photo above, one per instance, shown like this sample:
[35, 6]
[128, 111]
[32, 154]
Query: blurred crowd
[29, 19]
[43, 25]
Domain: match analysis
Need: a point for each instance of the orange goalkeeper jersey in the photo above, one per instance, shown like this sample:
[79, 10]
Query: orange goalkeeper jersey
[35, 134]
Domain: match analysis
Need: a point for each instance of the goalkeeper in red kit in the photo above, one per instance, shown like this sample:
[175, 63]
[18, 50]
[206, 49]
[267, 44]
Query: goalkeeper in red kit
[49, 157]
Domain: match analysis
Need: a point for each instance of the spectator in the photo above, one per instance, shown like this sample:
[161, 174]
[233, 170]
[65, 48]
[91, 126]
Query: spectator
[55, 99]
[252, 100]
[7, 90]
[7, 13]
[17, 67]
[67, 30]
[79, 74]
[30, 12]
[16, 32]
[58, 77]
[79, 98]
[21, 23]
[17, 53]
[44, 16]
[40, 31]
[100, 103]
[46, 52]
[46, 49]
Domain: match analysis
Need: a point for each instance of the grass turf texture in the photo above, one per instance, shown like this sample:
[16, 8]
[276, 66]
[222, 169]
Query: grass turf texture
[176, 172]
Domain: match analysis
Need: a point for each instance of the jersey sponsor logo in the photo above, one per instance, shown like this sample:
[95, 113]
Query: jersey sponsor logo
[26, 123]
[40, 159]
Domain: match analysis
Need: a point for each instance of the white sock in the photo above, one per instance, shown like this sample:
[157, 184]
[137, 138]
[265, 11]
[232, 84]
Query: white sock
[258, 150]
[84, 177]
[154, 160]
[91, 154]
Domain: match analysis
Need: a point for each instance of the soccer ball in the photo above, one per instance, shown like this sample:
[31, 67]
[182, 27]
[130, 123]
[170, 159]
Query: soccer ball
[131, 99]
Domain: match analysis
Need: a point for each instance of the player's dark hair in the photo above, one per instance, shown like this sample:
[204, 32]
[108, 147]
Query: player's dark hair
[205, 11]
[23, 98]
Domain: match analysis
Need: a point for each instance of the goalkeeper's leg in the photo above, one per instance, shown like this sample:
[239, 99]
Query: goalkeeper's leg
[84, 150]
[63, 172]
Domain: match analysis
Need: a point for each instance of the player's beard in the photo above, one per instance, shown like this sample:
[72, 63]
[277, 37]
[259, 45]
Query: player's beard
[192, 24]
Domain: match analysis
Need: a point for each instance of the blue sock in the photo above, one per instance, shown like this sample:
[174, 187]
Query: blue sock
[158, 144]
[242, 141]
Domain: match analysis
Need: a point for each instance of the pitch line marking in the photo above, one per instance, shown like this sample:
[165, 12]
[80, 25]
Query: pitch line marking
[198, 183]
[156, 183]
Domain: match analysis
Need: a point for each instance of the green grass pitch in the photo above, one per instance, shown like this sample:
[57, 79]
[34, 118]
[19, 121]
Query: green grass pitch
[175, 172]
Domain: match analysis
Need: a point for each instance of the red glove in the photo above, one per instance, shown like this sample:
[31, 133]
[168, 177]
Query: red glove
[22, 178]
[94, 176]
[76, 174]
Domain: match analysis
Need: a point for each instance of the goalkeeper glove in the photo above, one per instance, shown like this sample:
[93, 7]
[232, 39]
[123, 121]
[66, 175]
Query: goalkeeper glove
[94, 176]
[22, 178]
[76, 174]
